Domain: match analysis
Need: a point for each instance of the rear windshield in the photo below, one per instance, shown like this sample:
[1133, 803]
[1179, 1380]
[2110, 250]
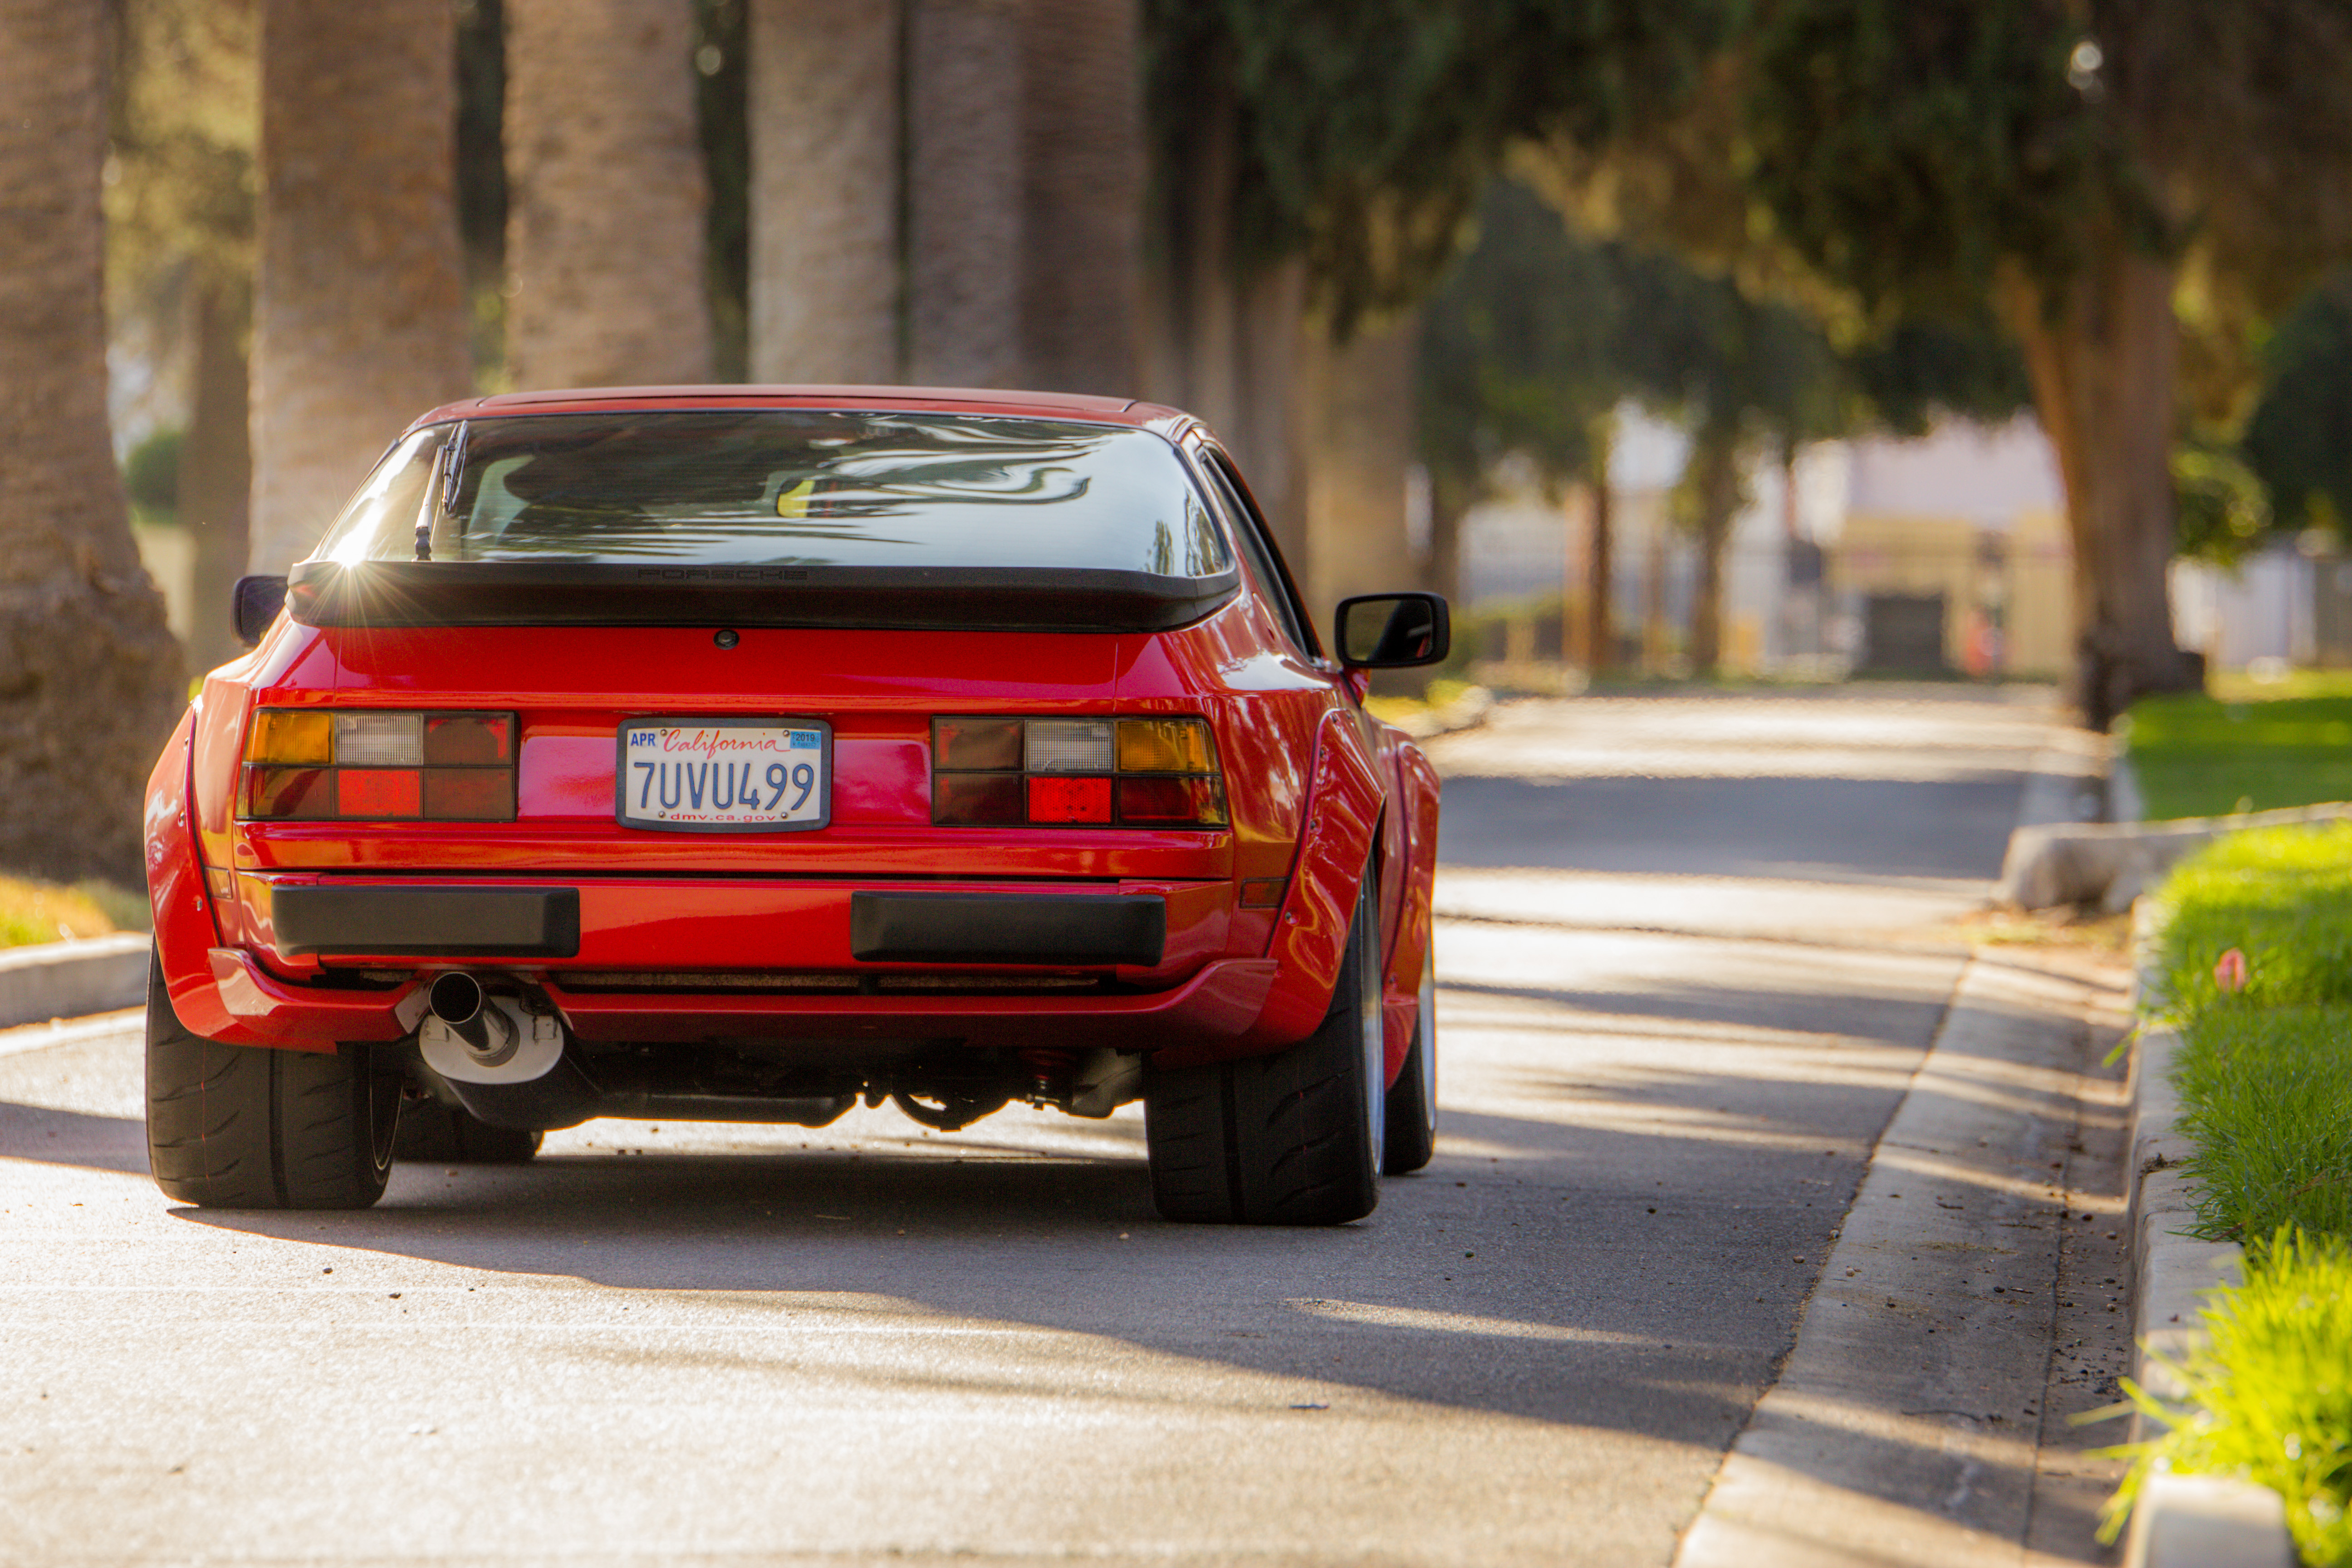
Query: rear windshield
[800, 487]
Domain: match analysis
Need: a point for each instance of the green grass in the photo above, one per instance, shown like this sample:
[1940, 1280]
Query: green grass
[2270, 1394]
[2267, 1104]
[35, 911]
[2282, 896]
[2250, 747]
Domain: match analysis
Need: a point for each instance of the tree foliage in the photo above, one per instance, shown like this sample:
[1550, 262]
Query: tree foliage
[1368, 127]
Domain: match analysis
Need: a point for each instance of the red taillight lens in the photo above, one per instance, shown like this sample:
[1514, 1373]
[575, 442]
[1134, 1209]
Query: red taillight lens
[1069, 800]
[379, 791]
[1137, 772]
[379, 765]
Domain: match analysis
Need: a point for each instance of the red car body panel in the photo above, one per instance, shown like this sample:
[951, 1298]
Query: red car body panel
[1318, 792]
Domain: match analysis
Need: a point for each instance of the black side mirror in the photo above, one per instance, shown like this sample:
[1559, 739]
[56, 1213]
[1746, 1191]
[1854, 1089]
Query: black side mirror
[1392, 631]
[254, 605]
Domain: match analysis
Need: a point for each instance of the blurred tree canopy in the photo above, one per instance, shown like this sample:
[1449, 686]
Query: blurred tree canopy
[2298, 441]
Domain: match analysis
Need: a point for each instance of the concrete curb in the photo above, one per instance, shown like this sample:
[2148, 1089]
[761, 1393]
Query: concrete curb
[2182, 1522]
[68, 979]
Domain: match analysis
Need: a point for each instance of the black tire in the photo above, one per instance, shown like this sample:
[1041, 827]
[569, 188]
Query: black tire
[1288, 1139]
[249, 1128]
[434, 1133]
[1413, 1099]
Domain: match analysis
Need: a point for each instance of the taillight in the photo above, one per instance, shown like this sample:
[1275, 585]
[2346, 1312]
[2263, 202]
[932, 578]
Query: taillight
[364, 766]
[1130, 773]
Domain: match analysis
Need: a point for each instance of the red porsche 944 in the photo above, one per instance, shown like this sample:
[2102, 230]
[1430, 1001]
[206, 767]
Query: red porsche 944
[737, 753]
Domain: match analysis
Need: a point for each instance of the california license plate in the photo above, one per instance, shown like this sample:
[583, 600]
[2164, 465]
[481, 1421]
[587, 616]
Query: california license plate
[726, 775]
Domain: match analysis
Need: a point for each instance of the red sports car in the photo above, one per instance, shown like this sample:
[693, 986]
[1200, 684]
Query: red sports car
[734, 754]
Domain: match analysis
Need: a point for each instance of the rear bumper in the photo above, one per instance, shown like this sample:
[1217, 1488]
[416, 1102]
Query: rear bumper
[241, 1002]
[1148, 934]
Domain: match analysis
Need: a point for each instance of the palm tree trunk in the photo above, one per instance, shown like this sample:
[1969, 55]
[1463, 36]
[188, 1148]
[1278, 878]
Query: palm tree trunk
[89, 675]
[826, 278]
[360, 321]
[607, 196]
[1600, 553]
[1714, 458]
[1083, 182]
[217, 465]
[963, 196]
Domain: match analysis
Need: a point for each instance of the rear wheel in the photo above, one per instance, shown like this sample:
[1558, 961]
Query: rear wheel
[434, 1133]
[242, 1127]
[1288, 1139]
[1413, 1099]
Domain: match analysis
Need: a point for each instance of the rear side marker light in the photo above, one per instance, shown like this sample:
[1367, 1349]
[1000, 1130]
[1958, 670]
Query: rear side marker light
[1135, 773]
[365, 765]
[1263, 893]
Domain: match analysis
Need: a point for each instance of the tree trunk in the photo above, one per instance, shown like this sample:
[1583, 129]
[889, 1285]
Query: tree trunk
[1357, 401]
[360, 318]
[217, 467]
[607, 197]
[1599, 549]
[2101, 351]
[1081, 87]
[1714, 480]
[965, 181]
[826, 278]
[89, 678]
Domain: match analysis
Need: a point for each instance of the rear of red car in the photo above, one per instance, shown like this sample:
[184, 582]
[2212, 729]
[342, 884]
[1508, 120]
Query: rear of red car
[735, 758]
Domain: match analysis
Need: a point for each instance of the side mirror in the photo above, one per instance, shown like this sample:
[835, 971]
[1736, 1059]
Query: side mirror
[1392, 631]
[254, 605]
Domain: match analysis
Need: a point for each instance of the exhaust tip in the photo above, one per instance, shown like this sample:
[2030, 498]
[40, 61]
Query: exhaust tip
[455, 998]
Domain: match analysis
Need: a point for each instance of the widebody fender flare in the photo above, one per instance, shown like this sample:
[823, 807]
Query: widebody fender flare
[1344, 802]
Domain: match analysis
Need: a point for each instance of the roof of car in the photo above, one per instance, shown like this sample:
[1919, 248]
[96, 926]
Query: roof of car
[904, 399]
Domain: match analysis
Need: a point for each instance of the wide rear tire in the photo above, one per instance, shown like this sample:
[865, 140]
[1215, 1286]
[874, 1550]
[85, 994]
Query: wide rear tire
[435, 1134]
[249, 1128]
[1288, 1139]
[1413, 1099]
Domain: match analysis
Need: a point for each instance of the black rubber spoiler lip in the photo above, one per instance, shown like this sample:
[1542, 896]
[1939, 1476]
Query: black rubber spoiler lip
[651, 594]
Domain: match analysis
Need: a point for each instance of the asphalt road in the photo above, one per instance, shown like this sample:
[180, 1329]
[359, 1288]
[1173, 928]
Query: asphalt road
[1692, 952]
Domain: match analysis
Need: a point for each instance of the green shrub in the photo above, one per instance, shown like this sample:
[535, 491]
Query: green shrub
[2267, 1104]
[2270, 1394]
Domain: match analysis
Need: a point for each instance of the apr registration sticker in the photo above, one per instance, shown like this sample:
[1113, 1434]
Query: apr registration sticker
[726, 775]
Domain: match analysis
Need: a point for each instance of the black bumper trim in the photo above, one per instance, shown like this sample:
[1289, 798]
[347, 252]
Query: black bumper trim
[427, 923]
[1008, 928]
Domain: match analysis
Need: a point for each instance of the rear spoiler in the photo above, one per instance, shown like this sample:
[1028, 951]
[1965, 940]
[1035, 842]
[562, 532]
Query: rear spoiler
[650, 593]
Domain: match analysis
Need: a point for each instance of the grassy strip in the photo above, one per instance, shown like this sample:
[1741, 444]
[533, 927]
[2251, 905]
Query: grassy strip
[2280, 896]
[2270, 1392]
[2267, 1102]
[2248, 748]
[34, 911]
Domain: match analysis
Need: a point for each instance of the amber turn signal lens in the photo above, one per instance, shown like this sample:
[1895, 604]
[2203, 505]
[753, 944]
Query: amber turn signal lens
[291, 735]
[1166, 746]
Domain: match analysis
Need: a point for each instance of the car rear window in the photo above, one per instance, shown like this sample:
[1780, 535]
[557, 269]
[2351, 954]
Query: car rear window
[812, 488]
